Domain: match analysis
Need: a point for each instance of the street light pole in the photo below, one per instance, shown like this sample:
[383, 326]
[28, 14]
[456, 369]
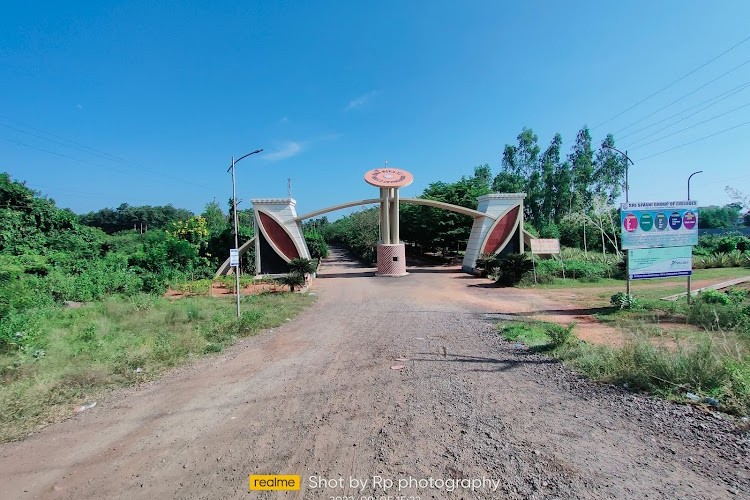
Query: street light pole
[691, 176]
[625, 154]
[627, 200]
[236, 224]
[689, 278]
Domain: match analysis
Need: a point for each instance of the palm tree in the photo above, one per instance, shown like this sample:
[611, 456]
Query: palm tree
[293, 279]
[302, 266]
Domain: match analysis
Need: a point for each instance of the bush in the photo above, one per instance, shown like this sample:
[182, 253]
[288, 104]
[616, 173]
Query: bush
[716, 315]
[560, 335]
[317, 245]
[512, 268]
[622, 300]
[292, 280]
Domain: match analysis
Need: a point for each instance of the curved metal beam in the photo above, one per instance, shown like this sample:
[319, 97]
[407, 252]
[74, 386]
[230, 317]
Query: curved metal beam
[447, 206]
[414, 201]
[224, 267]
[336, 207]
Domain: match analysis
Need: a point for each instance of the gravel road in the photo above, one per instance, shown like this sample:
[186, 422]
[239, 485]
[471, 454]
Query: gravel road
[318, 397]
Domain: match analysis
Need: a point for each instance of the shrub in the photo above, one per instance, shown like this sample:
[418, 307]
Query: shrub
[317, 245]
[622, 300]
[292, 280]
[302, 266]
[560, 335]
[713, 316]
[711, 296]
[512, 268]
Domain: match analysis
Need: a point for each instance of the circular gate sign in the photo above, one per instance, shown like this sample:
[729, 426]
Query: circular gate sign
[688, 220]
[388, 177]
[660, 221]
[647, 221]
[630, 223]
[675, 220]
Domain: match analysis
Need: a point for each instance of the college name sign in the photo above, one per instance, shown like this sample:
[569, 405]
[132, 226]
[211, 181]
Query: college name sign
[659, 224]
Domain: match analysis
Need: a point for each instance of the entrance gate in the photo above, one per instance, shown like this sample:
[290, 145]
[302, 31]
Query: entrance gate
[497, 227]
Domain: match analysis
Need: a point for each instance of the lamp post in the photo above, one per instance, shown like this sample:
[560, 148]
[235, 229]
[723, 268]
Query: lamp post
[625, 154]
[689, 292]
[691, 176]
[236, 235]
[627, 200]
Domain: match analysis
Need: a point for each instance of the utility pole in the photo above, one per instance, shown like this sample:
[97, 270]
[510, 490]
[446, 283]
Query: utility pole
[236, 224]
[627, 200]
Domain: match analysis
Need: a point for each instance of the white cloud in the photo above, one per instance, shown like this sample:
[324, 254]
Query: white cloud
[360, 101]
[285, 150]
[79, 106]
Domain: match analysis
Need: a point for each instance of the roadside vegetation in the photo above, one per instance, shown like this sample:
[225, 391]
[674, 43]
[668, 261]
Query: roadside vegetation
[706, 360]
[82, 310]
[61, 358]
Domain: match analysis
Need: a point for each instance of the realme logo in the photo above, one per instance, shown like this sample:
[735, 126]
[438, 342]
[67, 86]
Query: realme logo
[273, 482]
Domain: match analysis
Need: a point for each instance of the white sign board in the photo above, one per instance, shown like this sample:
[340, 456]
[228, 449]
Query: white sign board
[644, 263]
[541, 246]
[234, 257]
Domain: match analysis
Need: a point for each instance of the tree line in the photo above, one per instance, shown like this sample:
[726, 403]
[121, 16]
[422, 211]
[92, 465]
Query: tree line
[567, 197]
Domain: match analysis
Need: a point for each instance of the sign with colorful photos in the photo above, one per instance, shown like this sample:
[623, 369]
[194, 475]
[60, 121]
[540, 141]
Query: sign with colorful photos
[659, 224]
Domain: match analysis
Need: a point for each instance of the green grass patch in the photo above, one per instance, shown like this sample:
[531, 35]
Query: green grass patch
[539, 335]
[712, 365]
[66, 357]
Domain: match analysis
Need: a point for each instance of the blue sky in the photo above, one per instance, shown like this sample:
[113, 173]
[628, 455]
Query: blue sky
[166, 92]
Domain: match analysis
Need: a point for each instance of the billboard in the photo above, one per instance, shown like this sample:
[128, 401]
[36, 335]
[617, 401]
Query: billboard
[659, 224]
[645, 263]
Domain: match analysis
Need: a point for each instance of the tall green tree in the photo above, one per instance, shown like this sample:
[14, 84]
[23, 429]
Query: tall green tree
[581, 161]
[609, 171]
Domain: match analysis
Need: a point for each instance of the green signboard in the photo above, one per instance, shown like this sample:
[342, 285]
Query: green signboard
[644, 263]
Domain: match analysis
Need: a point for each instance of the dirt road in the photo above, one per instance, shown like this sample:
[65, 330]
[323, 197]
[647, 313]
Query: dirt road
[318, 397]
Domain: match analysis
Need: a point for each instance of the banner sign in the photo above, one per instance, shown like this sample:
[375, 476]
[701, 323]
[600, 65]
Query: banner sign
[645, 263]
[659, 224]
[541, 246]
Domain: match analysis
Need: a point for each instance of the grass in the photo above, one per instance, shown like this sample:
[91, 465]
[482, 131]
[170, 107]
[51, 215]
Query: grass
[716, 365]
[76, 355]
[656, 288]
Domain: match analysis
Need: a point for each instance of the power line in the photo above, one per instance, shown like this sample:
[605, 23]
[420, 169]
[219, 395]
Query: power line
[45, 150]
[674, 82]
[721, 97]
[693, 142]
[689, 127]
[83, 148]
[686, 95]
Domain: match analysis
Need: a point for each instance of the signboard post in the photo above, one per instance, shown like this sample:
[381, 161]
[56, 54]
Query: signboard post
[234, 260]
[658, 238]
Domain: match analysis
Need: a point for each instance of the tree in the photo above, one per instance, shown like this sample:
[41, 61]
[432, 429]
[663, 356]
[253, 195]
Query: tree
[436, 228]
[714, 217]
[216, 220]
[609, 169]
[126, 217]
[582, 169]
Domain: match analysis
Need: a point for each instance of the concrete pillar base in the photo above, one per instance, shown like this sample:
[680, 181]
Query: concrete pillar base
[391, 260]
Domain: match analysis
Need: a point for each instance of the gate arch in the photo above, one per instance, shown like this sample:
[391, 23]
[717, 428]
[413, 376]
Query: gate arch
[497, 227]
